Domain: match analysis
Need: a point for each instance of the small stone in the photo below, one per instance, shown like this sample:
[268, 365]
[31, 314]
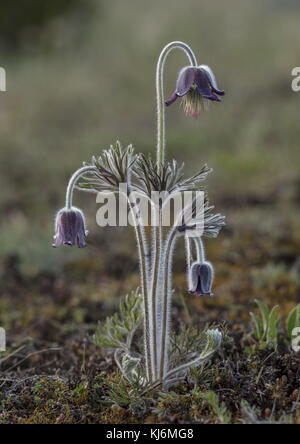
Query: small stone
[117, 409]
[268, 413]
[205, 404]
[295, 395]
[60, 418]
[284, 380]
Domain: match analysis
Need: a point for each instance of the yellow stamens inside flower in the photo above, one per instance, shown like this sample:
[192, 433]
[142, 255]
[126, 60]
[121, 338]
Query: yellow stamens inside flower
[193, 103]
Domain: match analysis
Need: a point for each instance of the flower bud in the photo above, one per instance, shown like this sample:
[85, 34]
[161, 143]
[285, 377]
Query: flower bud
[70, 228]
[201, 278]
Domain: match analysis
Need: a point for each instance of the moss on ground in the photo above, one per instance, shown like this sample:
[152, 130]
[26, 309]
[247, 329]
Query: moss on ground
[53, 373]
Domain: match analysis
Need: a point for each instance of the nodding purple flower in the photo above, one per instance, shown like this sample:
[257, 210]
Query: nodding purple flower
[196, 86]
[201, 276]
[70, 228]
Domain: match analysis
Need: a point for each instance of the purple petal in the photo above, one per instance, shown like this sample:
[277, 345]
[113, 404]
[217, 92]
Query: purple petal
[70, 228]
[205, 278]
[81, 242]
[68, 243]
[57, 241]
[220, 92]
[203, 84]
[185, 80]
[214, 97]
[212, 80]
[171, 99]
[81, 234]
[193, 277]
[201, 278]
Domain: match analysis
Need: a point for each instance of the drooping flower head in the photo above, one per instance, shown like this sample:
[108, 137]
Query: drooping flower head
[70, 228]
[201, 276]
[197, 86]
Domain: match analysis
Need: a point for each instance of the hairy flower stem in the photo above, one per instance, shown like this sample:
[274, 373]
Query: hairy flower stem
[72, 183]
[144, 276]
[166, 303]
[189, 257]
[200, 249]
[157, 232]
[188, 249]
[158, 241]
[143, 259]
[161, 140]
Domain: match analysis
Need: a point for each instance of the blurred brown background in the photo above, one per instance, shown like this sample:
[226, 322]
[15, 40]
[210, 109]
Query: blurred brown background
[81, 75]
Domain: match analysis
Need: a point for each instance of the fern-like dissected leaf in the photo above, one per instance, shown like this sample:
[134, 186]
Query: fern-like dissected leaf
[213, 342]
[219, 408]
[170, 178]
[118, 330]
[113, 167]
[192, 218]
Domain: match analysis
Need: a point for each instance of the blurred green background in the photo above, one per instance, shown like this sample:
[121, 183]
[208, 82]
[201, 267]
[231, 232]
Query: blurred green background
[81, 75]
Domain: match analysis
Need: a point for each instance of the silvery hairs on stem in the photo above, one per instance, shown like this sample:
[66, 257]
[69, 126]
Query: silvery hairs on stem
[150, 365]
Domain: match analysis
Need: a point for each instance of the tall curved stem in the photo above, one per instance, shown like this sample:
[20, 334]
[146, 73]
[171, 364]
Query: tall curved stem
[157, 231]
[200, 249]
[161, 140]
[144, 273]
[158, 244]
[188, 250]
[72, 183]
[166, 303]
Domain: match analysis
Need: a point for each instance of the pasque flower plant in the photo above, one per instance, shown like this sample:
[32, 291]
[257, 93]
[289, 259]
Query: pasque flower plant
[196, 85]
[152, 303]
